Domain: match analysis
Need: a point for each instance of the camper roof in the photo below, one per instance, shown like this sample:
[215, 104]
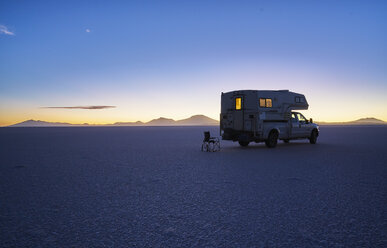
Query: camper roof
[283, 100]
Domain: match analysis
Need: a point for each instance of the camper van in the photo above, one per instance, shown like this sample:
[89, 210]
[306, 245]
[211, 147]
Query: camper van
[265, 115]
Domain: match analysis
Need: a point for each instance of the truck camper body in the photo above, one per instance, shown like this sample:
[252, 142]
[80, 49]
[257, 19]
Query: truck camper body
[254, 115]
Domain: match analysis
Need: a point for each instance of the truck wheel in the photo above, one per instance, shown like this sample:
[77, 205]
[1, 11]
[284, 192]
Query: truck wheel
[271, 141]
[243, 143]
[313, 137]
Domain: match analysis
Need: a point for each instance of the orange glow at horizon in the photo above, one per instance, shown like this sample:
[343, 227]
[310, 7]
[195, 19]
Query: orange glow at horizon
[330, 97]
[319, 111]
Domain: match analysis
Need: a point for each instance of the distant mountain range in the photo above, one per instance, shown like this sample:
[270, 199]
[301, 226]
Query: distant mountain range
[196, 120]
[362, 121]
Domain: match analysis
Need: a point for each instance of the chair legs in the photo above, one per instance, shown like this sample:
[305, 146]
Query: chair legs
[205, 147]
[216, 146]
[211, 146]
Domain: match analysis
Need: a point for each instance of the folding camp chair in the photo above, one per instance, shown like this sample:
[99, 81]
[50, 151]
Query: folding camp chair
[210, 144]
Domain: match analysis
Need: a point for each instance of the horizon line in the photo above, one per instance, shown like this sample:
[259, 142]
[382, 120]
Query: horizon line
[171, 119]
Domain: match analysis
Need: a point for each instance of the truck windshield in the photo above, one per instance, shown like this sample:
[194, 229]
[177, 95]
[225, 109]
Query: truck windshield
[301, 118]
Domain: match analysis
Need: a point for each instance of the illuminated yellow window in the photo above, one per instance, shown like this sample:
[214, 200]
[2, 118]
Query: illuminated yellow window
[262, 102]
[268, 103]
[238, 103]
[265, 103]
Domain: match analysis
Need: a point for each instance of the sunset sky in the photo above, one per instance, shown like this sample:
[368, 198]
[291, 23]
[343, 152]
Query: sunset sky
[146, 59]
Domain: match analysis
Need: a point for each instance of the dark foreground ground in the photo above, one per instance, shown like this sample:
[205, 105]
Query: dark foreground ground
[152, 187]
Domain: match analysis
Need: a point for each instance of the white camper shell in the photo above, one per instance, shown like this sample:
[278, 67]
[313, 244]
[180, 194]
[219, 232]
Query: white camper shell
[265, 115]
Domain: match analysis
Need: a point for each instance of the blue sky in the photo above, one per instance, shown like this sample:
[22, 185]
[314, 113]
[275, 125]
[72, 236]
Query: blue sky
[173, 58]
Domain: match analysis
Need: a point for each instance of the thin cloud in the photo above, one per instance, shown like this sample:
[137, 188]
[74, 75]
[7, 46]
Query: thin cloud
[88, 30]
[4, 30]
[82, 107]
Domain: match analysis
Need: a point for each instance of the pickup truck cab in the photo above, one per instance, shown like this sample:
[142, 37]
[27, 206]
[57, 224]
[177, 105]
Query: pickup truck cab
[301, 128]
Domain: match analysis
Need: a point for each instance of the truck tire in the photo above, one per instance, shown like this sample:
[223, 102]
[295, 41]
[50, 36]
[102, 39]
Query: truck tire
[313, 137]
[272, 140]
[243, 143]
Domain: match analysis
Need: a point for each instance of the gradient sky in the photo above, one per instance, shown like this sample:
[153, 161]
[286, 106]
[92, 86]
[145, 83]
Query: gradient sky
[174, 58]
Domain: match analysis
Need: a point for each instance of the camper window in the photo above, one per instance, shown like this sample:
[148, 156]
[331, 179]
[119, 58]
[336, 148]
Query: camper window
[238, 103]
[265, 103]
[268, 103]
[262, 102]
[299, 99]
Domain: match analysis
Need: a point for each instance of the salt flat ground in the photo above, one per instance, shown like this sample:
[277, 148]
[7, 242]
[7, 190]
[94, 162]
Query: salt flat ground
[153, 187]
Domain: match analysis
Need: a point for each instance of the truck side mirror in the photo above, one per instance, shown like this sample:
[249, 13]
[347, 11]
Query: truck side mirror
[311, 120]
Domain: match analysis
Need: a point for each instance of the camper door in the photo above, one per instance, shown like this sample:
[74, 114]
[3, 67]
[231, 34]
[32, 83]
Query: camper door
[238, 112]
